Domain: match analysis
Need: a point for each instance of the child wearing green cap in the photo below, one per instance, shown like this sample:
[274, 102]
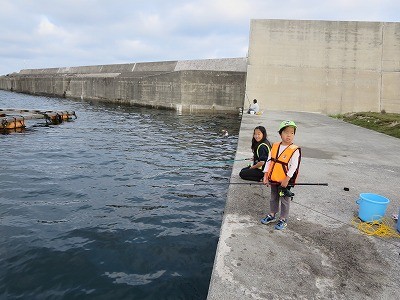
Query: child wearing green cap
[281, 170]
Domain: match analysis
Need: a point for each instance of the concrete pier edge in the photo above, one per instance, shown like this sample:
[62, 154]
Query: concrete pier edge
[320, 255]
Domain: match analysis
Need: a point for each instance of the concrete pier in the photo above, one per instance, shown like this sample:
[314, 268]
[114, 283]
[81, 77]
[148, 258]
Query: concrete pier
[320, 255]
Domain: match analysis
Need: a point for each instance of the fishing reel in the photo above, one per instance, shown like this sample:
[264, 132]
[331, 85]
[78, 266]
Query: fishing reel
[285, 192]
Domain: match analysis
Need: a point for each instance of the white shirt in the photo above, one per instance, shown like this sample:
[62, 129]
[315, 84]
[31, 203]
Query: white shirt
[254, 107]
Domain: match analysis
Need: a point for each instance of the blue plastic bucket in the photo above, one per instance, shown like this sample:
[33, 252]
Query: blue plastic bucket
[372, 207]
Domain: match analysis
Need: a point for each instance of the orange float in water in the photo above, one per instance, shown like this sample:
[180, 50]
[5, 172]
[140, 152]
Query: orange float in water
[15, 119]
[13, 122]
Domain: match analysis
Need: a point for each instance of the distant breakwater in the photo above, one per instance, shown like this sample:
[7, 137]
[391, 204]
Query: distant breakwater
[193, 85]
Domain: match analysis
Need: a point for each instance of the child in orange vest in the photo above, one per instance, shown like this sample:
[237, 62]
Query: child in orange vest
[281, 170]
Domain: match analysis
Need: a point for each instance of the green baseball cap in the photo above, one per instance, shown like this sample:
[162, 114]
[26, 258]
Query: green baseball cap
[286, 124]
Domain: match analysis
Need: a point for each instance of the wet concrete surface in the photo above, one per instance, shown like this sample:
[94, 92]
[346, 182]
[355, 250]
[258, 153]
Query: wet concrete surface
[321, 254]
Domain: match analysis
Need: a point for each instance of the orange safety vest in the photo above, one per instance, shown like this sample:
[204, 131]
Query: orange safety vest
[278, 166]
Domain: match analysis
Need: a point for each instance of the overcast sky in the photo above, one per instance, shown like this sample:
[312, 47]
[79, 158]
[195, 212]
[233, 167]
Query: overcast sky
[65, 33]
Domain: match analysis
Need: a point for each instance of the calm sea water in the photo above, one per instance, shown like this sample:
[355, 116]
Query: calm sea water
[98, 208]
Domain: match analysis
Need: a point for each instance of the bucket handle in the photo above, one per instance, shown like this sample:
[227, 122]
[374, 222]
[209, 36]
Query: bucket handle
[358, 201]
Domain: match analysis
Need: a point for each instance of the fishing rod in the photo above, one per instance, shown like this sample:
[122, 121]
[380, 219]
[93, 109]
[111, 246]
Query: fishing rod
[247, 98]
[239, 183]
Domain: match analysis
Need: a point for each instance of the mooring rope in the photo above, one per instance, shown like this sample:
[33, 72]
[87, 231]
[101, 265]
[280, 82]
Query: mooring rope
[383, 228]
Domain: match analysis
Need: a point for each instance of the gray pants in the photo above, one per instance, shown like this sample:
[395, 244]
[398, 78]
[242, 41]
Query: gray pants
[274, 203]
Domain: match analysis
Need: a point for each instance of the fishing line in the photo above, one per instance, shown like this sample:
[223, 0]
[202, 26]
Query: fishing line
[205, 164]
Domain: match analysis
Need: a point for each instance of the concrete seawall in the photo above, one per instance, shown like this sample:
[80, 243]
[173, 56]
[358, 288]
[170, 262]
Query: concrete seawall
[197, 85]
[324, 66]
